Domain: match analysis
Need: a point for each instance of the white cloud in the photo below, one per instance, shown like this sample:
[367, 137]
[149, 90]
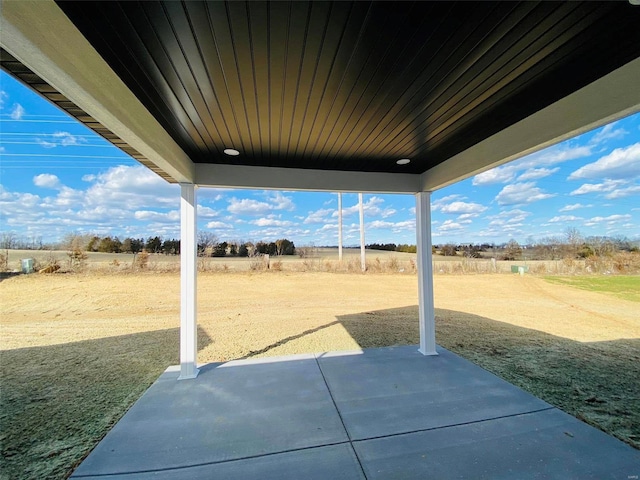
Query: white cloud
[574, 206]
[507, 217]
[395, 227]
[45, 144]
[18, 112]
[564, 218]
[623, 192]
[606, 186]
[280, 202]
[248, 206]
[622, 163]
[172, 216]
[547, 157]
[449, 226]
[207, 212]
[3, 96]
[371, 208]
[608, 132]
[272, 222]
[537, 173]
[131, 187]
[64, 139]
[610, 220]
[495, 175]
[219, 225]
[463, 207]
[521, 193]
[319, 216]
[46, 180]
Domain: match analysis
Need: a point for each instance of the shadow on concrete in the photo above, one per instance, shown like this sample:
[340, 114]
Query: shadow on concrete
[58, 401]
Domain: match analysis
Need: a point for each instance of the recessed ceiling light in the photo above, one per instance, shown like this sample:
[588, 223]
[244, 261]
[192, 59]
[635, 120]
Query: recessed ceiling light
[403, 161]
[231, 151]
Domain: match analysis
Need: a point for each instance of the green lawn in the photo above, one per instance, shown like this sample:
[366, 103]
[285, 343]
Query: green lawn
[626, 287]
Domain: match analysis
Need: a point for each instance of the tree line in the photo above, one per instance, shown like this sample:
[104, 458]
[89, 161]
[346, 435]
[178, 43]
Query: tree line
[571, 245]
[392, 247]
[208, 245]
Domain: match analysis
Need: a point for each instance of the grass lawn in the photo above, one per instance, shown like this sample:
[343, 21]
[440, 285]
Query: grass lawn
[626, 287]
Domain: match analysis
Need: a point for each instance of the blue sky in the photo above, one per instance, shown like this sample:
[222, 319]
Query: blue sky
[58, 177]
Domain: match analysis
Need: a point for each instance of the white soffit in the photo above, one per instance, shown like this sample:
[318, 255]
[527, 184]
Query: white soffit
[41, 36]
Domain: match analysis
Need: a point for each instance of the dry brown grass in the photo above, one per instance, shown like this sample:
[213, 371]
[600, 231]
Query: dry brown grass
[78, 349]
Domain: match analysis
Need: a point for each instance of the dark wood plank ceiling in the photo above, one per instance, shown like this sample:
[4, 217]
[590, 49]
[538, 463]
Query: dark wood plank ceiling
[352, 85]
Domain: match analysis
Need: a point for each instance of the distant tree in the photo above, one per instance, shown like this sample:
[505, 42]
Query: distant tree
[448, 250]
[126, 245]
[233, 249]
[264, 248]
[207, 242]
[220, 250]
[109, 245]
[472, 251]
[390, 247]
[285, 247]
[137, 245]
[409, 248]
[8, 240]
[243, 250]
[154, 244]
[92, 244]
[171, 247]
[512, 251]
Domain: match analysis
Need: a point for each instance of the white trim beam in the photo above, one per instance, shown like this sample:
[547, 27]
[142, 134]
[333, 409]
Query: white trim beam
[425, 275]
[276, 178]
[188, 283]
[610, 98]
[40, 35]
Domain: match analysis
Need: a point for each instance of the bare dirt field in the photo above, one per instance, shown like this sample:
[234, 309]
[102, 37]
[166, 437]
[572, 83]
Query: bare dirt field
[78, 349]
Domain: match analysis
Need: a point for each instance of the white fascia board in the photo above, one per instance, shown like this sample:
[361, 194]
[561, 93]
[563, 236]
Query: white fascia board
[239, 176]
[39, 34]
[610, 98]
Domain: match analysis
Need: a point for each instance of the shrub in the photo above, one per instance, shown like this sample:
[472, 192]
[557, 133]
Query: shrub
[4, 261]
[77, 260]
[141, 260]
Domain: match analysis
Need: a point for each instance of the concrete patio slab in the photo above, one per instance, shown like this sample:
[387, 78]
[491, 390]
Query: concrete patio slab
[547, 444]
[389, 391]
[335, 462]
[230, 411]
[377, 414]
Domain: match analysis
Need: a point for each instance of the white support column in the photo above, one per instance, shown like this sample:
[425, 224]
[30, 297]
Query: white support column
[425, 274]
[340, 226]
[363, 259]
[188, 276]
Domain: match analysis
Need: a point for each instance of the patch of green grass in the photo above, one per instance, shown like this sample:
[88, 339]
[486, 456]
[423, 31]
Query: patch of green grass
[626, 287]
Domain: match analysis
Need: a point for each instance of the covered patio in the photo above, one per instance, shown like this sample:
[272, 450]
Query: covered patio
[375, 414]
[394, 97]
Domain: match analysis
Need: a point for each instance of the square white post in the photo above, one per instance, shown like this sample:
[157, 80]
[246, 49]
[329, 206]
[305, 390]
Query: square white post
[188, 276]
[425, 274]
